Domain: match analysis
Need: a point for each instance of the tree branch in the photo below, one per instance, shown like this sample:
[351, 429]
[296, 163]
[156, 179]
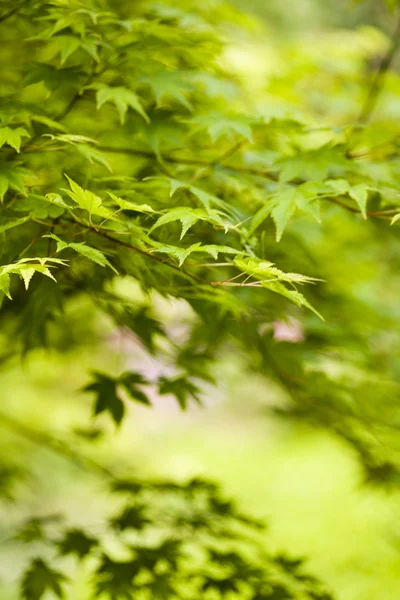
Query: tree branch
[42, 438]
[12, 12]
[196, 162]
[377, 83]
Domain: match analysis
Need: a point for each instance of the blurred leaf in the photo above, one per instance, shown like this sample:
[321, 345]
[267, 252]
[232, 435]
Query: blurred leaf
[40, 578]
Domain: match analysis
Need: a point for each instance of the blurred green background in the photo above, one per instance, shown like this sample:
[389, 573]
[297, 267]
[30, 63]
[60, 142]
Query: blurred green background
[307, 484]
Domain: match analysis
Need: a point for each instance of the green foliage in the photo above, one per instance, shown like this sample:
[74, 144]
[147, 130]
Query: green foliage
[40, 578]
[130, 143]
[156, 529]
[107, 393]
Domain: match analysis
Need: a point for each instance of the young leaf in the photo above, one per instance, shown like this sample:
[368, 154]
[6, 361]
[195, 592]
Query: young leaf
[172, 84]
[12, 137]
[87, 200]
[359, 193]
[82, 248]
[13, 223]
[121, 97]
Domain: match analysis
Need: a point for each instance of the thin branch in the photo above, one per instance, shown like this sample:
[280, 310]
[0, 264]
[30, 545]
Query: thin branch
[42, 438]
[230, 152]
[196, 162]
[12, 12]
[140, 251]
[225, 283]
[377, 214]
[378, 81]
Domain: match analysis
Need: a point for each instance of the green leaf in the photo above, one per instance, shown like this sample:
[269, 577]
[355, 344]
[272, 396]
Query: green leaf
[132, 517]
[13, 223]
[52, 77]
[315, 164]
[12, 137]
[114, 579]
[92, 254]
[187, 217]
[260, 216]
[283, 204]
[220, 126]
[180, 387]
[170, 84]
[25, 268]
[129, 382]
[5, 284]
[87, 200]
[107, 399]
[51, 124]
[206, 199]
[121, 97]
[359, 193]
[273, 279]
[181, 254]
[128, 205]
[68, 44]
[39, 578]
[27, 273]
[75, 541]
[82, 248]
[395, 219]
[93, 155]
[12, 176]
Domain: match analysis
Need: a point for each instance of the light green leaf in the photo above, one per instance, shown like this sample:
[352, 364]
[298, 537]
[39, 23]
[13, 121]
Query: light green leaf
[27, 273]
[283, 206]
[121, 97]
[260, 217]
[222, 126]
[395, 219]
[170, 84]
[180, 254]
[49, 122]
[4, 183]
[12, 137]
[87, 200]
[92, 254]
[13, 223]
[313, 164]
[128, 205]
[82, 248]
[188, 217]
[359, 193]
[93, 155]
[274, 279]
[25, 268]
[5, 284]
[68, 44]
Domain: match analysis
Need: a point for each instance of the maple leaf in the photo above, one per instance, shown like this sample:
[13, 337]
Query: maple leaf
[76, 542]
[121, 97]
[107, 399]
[172, 84]
[40, 578]
[12, 137]
[180, 387]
